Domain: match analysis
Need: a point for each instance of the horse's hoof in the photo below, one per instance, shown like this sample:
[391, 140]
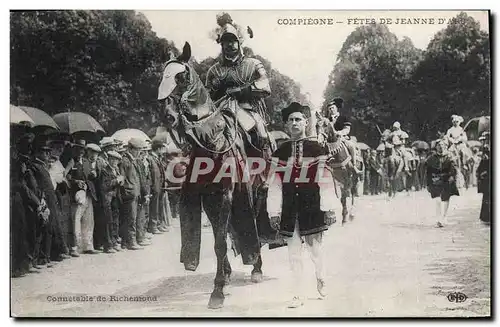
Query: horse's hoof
[216, 300]
[256, 277]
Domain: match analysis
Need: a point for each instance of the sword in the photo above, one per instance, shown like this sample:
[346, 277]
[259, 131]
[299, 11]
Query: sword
[378, 129]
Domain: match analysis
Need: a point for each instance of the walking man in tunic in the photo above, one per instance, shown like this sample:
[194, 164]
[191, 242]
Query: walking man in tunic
[302, 208]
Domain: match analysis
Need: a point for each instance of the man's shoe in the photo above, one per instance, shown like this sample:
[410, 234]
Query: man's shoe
[295, 303]
[135, 247]
[144, 243]
[91, 252]
[110, 250]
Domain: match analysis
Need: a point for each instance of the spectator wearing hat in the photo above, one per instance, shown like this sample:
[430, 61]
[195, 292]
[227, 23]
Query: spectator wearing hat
[143, 236]
[130, 193]
[110, 182]
[92, 169]
[157, 185]
[63, 224]
[81, 175]
[27, 209]
[441, 175]
[483, 174]
[49, 246]
[305, 209]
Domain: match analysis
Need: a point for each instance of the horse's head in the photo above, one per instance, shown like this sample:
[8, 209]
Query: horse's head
[181, 91]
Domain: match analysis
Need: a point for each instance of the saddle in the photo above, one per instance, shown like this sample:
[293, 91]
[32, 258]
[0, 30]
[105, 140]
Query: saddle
[216, 133]
[339, 154]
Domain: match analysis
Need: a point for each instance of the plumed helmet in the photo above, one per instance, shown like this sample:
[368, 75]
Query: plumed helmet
[226, 26]
[396, 124]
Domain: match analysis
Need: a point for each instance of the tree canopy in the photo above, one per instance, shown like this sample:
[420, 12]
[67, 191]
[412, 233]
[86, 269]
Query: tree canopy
[383, 79]
[103, 62]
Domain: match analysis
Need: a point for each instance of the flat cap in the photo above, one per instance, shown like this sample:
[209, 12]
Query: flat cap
[114, 154]
[136, 143]
[93, 147]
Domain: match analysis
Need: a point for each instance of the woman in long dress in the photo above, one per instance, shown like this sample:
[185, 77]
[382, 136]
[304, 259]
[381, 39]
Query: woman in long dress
[441, 180]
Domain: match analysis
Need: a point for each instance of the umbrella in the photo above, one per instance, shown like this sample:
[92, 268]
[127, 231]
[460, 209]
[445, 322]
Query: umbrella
[40, 117]
[74, 122]
[18, 116]
[167, 139]
[125, 135]
[279, 135]
[381, 147]
[156, 130]
[474, 143]
[420, 145]
[476, 126]
[362, 146]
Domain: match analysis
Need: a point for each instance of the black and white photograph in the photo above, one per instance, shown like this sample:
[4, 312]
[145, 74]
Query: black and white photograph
[250, 163]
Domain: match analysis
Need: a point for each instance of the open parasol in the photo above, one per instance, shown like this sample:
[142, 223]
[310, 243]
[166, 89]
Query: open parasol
[362, 146]
[40, 118]
[75, 122]
[124, 135]
[420, 145]
[18, 116]
[170, 144]
[474, 144]
[156, 130]
[476, 126]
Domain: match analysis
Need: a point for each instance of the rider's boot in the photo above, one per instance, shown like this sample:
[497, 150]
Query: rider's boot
[353, 154]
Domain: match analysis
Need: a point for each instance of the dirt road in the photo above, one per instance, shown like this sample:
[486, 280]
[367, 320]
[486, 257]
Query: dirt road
[389, 262]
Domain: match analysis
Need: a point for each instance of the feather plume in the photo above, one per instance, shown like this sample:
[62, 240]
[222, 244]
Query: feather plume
[250, 32]
[223, 19]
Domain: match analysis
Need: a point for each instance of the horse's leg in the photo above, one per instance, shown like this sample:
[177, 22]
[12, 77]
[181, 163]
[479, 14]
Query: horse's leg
[343, 201]
[257, 270]
[217, 204]
[190, 221]
[244, 223]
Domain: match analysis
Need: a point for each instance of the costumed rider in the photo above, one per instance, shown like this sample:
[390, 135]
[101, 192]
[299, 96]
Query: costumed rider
[242, 80]
[456, 136]
[301, 206]
[398, 138]
[339, 127]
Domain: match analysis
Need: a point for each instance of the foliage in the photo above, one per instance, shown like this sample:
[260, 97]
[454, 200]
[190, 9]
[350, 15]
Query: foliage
[105, 63]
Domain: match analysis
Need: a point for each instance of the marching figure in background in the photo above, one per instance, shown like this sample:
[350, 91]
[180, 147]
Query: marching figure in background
[302, 209]
[397, 132]
[457, 139]
[484, 179]
[441, 175]
[243, 81]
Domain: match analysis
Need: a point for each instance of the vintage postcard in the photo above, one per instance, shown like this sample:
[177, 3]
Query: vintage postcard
[279, 163]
